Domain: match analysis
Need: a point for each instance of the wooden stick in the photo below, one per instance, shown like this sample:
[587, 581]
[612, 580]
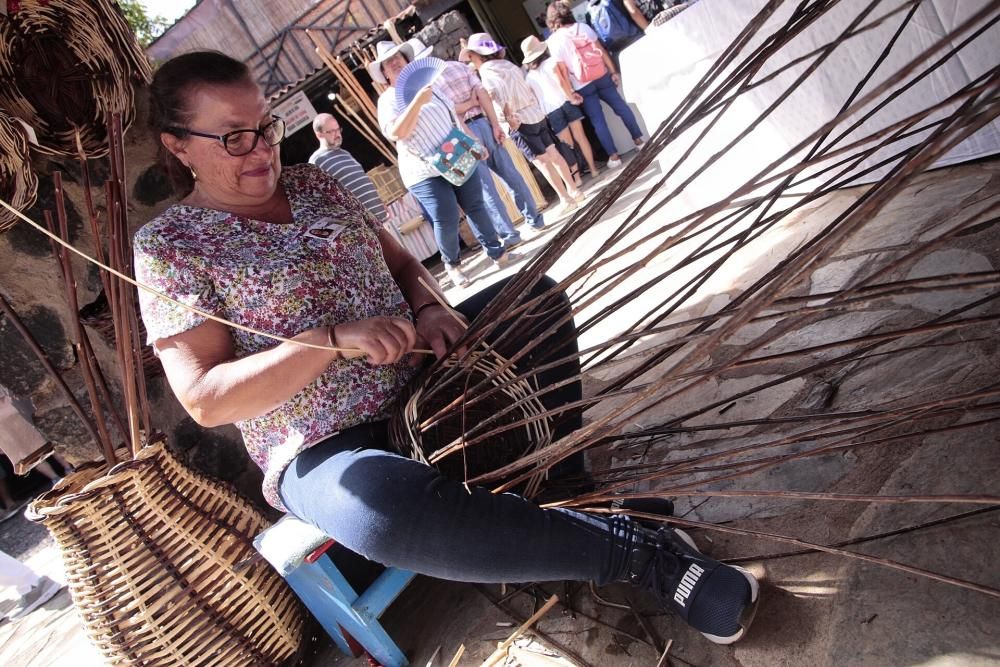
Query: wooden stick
[441, 300]
[666, 651]
[502, 648]
[458, 656]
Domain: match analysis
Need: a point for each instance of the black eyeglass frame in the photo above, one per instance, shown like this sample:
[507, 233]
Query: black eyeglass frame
[224, 138]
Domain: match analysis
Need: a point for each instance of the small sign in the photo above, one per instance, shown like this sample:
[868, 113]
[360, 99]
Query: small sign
[326, 229]
[297, 112]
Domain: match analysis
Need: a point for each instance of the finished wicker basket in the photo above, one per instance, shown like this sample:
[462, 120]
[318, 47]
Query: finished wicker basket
[152, 553]
[18, 183]
[387, 183]
[441, 444]
[65, 67]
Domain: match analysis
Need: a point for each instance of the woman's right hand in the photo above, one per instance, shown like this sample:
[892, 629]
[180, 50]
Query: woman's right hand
[424, 95]
[383, 340]
[576, 98]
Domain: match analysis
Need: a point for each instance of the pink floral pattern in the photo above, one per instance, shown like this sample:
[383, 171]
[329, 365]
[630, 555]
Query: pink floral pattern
[323, 269]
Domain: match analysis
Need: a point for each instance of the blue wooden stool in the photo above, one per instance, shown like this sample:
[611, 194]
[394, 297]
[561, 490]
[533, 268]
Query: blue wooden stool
[297, 551]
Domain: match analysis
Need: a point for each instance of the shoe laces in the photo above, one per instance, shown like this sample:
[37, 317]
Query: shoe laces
[661, 570]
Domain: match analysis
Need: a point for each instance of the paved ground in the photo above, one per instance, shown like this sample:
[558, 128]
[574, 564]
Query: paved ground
[816, 609]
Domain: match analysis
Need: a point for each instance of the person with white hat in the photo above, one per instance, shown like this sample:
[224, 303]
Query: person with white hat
[549, 79]
[518, 108]
[417, 130]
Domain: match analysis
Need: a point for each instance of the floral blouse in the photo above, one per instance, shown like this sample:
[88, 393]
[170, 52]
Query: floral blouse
[323, 269]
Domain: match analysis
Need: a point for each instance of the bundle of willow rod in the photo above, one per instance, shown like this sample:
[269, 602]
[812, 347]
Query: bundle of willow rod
[667, 263]
[65, 67]
[352, 101]
[18, 183]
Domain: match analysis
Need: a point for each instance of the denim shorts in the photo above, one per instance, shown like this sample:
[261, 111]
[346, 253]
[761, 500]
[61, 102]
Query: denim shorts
[535, 137]
[560, 119]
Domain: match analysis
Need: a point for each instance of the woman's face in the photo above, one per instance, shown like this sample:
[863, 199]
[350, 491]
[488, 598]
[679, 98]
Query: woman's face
[225, 180]
[393, 66]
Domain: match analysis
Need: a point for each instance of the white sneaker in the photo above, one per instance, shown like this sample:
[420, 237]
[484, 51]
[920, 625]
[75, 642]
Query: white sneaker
[42, 592]
[458, 277]
[614, 163]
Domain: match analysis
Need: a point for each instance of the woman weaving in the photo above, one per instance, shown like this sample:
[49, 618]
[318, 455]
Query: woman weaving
[290, 252]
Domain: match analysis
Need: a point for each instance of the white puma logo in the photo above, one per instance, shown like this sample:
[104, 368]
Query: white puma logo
[688, 581]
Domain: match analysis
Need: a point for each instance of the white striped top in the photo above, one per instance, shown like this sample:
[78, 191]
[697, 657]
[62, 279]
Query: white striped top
[544, 83]
[342, 166]
[505, 83]
[433, 125]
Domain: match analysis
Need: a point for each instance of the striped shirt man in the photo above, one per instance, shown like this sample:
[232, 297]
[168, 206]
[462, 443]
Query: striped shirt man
[342, 166]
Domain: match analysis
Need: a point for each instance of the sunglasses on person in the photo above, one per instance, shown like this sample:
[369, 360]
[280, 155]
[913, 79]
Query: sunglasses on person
[242, 142]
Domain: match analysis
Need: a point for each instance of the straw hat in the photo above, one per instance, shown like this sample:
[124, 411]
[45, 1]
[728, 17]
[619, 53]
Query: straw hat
[533, 49]
[481, 43]
[411, 49]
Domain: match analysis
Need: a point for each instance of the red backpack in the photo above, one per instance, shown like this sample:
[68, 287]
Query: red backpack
[587, 63]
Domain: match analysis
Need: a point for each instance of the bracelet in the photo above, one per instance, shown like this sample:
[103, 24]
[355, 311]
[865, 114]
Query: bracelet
[331, 339]
[416, 313]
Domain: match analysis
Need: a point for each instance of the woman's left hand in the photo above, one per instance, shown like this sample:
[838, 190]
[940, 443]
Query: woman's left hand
[438, 328]
[616, 78]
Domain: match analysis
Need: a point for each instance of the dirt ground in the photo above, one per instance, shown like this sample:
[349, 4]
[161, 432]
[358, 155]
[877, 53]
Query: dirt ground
[816, 609]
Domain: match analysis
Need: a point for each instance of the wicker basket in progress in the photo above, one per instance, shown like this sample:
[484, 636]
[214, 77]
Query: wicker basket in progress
[18, 183]
[65, 67]
[441, 444]
[151, 552]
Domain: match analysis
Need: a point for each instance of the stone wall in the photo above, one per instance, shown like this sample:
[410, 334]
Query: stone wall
[444, 34]
[31, 281]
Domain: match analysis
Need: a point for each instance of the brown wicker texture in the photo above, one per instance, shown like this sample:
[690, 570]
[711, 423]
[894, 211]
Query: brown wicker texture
[414, 431]
[387, 183]
[18, 183]
[150, 550]
[97, 316]
[65, 67]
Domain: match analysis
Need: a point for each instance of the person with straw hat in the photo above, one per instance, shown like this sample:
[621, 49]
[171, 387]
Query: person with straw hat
[255, 250]
[549, 79]
[417, 119]
[518, 108]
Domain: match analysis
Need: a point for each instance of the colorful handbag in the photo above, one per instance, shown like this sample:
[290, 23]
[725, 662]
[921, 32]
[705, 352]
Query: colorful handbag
[457, 154]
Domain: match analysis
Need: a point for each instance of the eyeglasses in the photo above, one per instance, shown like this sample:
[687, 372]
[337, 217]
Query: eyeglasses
[241, 142]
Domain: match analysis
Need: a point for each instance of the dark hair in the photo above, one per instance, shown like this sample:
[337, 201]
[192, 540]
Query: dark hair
[168, 101]
[559, 14]
[401, 53]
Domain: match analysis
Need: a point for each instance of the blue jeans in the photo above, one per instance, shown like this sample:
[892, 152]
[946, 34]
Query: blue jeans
[396, 511]
[502, 163]
[494, 204]
[605, 89]
[440, 200]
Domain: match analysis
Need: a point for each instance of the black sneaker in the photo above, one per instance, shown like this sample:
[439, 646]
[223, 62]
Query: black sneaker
[658, 506]
[717, 600]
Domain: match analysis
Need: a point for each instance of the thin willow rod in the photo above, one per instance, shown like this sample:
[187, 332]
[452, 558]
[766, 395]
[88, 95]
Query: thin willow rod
[883, 562]
[802, 166]
[553, 450]
[69, 285]
[517, 285]
[811, 495]
[923, 411]
[161, 295]
[867, 538]
[572, 443]
[822, 246]
[757, 465]
[848, 357]
[875, 23]
[43, 358]
[117, 136]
